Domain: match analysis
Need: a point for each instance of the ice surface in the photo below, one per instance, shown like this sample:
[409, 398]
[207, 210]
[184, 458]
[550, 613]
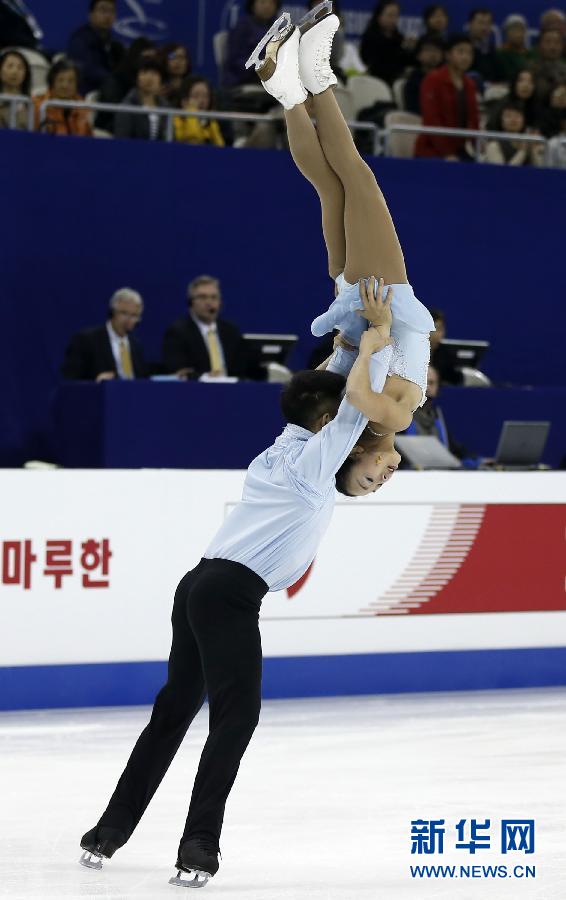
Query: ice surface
[321, 809]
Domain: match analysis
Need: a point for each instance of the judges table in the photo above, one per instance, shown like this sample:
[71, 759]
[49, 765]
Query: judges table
[190, 425]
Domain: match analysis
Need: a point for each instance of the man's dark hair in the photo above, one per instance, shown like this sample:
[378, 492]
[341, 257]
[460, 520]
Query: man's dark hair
[94, 3]
[437, 314]
[150, 64]
[311, 394]
[429, 40]
[342, 476]
[479, 11]
[455, 39]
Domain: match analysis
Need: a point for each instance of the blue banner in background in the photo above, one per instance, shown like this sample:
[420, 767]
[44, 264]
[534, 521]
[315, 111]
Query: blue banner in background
[194, 22]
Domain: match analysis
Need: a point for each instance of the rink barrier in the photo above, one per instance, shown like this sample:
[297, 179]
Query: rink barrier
[137, 683]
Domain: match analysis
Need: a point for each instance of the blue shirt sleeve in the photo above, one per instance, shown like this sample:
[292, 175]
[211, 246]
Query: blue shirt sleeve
[324, 453]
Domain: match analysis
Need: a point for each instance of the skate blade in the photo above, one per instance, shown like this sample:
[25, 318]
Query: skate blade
[196, 878]
[315, 15]
[91, 860]
[275, 33]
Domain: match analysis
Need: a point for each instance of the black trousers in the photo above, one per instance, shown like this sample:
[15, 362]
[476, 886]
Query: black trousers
[216, 650]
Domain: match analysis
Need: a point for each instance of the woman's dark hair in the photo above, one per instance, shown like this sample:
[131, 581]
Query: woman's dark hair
[311, 394]
[189, 83]
[429, 40]
[342, 476]
[429, 11]
[150, 65]
[437, 314]
[94, 3]
[62, 65]
[508, 103]
[26, 84]
[250, 6]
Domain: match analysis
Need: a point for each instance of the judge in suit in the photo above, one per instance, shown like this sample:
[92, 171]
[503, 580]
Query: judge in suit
[110, 350]
[205, 344]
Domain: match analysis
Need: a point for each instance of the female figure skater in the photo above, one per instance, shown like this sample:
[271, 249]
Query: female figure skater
[358, 230]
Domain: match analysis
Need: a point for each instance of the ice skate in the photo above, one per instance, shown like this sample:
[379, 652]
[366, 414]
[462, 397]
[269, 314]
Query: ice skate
[278, 69]
[100, 843]
[314, 16]
[314, 53]
[197, 862]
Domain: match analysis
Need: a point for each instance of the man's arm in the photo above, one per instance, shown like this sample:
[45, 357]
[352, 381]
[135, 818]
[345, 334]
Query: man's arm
[391, 414]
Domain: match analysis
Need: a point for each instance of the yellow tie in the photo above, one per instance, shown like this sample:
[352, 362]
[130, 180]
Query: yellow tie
[126, 360]
[214, 352]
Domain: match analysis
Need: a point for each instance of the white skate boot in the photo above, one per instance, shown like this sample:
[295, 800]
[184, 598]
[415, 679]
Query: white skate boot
[314, 53]
[278, 69]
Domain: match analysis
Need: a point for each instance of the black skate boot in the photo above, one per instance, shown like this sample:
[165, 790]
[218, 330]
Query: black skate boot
[101, 842]
[198, 857]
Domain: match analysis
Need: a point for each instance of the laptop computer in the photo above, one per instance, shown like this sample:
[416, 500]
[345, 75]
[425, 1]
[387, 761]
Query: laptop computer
[521, 444]
[426, 452]
[271, 347]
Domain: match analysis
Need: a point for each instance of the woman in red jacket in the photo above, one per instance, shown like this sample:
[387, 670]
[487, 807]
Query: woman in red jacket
[448, 99]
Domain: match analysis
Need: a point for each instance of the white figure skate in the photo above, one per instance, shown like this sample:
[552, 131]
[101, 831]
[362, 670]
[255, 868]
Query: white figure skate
[278, 68]
[314, 52]
[314, 15]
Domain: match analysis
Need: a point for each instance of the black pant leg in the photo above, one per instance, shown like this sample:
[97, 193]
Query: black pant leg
[226, 627]
[174, 709]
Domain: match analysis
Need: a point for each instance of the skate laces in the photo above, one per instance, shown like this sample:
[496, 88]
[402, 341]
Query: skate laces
[322, 64]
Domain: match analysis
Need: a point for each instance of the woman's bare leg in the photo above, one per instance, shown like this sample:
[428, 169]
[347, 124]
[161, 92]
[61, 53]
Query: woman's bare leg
[311, 161]
[372, 245]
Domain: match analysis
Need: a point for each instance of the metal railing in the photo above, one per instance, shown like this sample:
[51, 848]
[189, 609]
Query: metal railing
[475, 136]
[170, 113]
[16, 100]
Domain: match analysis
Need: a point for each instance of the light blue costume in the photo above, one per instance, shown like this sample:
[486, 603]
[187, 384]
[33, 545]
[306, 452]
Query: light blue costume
[410, 330]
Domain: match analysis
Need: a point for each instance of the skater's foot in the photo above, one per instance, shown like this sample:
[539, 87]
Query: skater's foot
[198, 859]
[278, 68]
[101, 842]
[314, 54]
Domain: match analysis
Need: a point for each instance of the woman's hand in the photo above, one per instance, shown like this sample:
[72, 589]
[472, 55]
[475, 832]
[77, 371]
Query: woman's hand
[376, 310]
[339, 341]
[373, 340]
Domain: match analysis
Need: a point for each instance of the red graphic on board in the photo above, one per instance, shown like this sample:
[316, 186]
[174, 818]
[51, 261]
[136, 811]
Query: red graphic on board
[484, 558]
[295, 588]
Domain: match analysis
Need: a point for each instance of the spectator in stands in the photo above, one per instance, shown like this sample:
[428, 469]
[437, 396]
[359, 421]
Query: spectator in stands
[93, 48]
[511, 119]
[18, 27]
[553, 18]
[383, 48]
[244, 37]
[553, 118]
[15, 78]
[448, 99]
[523, 90]
[549, 67]
[486, 63]
[429, 420]
[62, 84]
[436, 21]
[110, 350]
[448, 374]
[429, 54]
[514, 53]
[147, 93]
[196, 94]
[202, 343]
[123, 79]
[176, 64]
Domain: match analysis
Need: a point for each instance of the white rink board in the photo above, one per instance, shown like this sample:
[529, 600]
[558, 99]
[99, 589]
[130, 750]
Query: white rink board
[159, 524]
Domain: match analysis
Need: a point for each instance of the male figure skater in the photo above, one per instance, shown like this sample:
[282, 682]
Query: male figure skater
[266, 543]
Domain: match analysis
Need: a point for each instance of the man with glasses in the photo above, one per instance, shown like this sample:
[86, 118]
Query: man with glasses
[204, 344]
[110, 350]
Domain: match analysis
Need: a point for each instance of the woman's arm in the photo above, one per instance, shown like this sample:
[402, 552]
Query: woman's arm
[392, 415]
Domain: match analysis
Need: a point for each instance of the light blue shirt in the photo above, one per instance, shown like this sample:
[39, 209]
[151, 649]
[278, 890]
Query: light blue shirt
[289, 492]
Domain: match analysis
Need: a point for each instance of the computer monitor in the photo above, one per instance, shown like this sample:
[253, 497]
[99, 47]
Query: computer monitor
[521, 444]
[271, 347]
[457, 354]
[426, 452]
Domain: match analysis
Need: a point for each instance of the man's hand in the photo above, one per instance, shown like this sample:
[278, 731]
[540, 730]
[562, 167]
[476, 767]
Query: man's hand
[105, 376]
[376, 310]
[340, 342]
[374, 340]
